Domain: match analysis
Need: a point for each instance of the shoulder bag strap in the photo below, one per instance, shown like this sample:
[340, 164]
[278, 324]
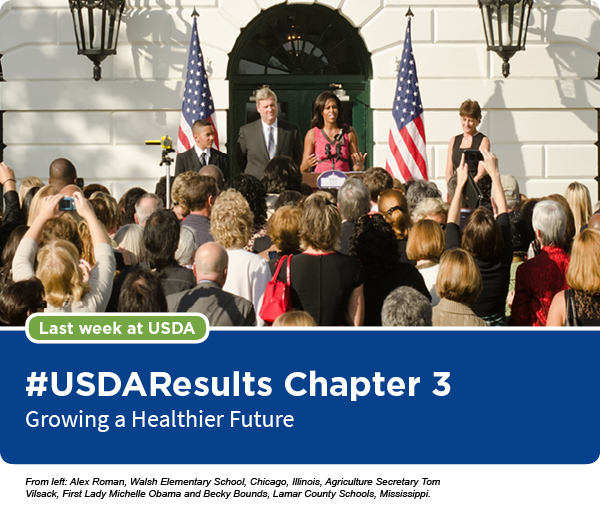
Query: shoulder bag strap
[289, 279]
[276, 275]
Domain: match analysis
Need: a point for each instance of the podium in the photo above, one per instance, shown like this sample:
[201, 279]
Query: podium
[329, 179]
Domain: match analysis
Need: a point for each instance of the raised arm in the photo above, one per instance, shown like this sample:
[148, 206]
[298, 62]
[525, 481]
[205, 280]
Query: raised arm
[24, 259]
[48, 211]
[13, 216]
[490, 163]
[484, 146]
[461, 179]
[358, 159]
[86, 211]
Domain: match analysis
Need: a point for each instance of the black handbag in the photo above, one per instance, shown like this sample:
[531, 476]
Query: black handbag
[472, 193]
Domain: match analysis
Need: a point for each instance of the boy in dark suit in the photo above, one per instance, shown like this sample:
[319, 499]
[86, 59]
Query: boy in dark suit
[202, 153]
[268, 137]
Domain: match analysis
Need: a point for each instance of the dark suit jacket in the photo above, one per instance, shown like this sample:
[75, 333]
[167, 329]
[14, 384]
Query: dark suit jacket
[251, 151]
[221, 308]
[189, 162]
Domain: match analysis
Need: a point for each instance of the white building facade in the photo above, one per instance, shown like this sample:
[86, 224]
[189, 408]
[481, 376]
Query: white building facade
[542, 120]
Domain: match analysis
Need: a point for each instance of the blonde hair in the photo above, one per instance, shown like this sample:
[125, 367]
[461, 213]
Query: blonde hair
[459, 278]
[178, 190]
[36, 202]
[399, 219]
[295, 319]
[428, 207]
[231, 220]
[58, 270]
[321, 224]
[284, 228]
[584, 268]
[87, 251]
[31, 181]
[578, 197]
[427, 241]
[131, 238]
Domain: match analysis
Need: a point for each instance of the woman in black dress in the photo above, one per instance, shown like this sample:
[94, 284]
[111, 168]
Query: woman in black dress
[326, 284]
[470, 139]
[373, 242]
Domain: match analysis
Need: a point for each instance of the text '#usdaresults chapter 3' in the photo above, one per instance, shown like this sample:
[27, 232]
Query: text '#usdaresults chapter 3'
[226, 488]
[162, 384]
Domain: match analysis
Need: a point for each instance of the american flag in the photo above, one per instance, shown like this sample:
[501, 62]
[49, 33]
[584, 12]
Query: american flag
[407, 152]
[197, 100]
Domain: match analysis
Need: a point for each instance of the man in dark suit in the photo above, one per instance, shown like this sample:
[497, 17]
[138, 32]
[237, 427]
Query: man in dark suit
[268, 137]
[202, 153]
[222, 309]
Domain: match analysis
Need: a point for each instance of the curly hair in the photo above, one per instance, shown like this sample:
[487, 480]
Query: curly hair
[254, 193]
[428, 207]
[106, 209]
[231, 220]
[191, 190]
[417, 190]
[281, 174]
[373, 242]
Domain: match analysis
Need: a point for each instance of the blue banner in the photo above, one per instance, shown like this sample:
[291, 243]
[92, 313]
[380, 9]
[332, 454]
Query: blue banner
[305, 397]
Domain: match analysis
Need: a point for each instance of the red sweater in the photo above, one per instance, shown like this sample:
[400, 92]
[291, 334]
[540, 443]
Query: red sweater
[537, 281]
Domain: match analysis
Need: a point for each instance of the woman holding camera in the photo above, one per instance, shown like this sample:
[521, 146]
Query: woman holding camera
[58, 262]
[471, 140]
[330, 144]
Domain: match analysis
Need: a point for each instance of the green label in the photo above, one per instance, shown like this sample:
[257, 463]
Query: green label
[117, 328]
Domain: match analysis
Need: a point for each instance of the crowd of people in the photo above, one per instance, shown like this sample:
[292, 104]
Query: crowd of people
[375, 252]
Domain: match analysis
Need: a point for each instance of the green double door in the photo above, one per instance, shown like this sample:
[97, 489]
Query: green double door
[295, 101]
